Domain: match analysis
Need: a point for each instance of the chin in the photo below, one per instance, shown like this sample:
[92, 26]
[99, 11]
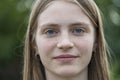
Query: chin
[68, 72]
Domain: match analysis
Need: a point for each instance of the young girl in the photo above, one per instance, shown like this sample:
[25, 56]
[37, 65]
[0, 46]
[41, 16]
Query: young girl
[65, 41]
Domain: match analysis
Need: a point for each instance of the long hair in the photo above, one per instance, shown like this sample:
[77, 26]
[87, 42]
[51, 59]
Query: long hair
[98, 67]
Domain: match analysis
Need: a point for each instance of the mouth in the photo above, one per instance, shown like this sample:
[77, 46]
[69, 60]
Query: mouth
[65, 58]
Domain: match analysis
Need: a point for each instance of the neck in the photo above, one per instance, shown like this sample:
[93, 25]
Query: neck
[81, 76]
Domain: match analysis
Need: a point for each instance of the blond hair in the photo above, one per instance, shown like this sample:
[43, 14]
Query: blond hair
[98, 66]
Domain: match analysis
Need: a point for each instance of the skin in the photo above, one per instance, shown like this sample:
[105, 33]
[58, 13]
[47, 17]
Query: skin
[63, 29]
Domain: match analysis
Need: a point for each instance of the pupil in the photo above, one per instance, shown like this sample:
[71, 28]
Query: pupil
[50, 31]
[78, 30]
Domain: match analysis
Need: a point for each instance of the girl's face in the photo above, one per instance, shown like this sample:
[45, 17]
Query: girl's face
[65, 39]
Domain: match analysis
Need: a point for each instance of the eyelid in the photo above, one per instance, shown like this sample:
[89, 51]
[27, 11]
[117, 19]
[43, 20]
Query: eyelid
[50, 32]
[78, 31]
[83, 28]
[43, 30]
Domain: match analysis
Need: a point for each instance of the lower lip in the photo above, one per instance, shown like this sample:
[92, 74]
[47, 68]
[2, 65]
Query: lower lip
[65, 59]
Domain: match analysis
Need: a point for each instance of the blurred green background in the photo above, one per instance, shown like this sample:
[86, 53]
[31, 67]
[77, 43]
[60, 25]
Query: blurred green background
[14, 16]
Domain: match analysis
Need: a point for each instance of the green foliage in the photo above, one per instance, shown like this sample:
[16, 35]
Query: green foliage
[111, 11]
[13, 23]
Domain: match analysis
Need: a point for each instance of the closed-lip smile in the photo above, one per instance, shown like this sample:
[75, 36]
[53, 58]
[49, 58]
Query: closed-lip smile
[65, 57]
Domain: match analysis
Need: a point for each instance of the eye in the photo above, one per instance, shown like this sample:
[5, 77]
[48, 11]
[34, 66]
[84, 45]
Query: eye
[51, 32]
[78, 31]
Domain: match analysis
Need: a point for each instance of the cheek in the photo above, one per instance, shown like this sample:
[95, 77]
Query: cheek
[85, 45]
[45, 46]
[46, 50]
[85, 48]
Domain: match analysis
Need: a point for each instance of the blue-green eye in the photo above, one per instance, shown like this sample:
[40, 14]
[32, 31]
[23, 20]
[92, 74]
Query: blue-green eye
[50, 32]
[78, 31]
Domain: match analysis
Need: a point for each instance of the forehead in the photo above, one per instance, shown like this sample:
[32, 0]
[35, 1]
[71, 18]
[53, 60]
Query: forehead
[63, 11]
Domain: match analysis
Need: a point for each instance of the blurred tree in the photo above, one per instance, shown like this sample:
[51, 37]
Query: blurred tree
[13, 23]
[111, 12]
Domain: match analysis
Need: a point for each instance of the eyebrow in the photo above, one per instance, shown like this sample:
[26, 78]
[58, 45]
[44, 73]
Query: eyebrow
[48, 24]
[70, 25]
[79, 23]
[51, 24]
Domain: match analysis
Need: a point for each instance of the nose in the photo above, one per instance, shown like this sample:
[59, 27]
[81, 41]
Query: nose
[65, 43]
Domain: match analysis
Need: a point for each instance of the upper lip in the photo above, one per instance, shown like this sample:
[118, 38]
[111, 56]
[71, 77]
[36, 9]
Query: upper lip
[66, 56]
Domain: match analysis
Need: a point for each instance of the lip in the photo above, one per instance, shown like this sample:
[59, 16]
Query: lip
[66, 58]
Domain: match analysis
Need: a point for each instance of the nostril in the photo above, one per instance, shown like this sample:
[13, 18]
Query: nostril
[65, 45]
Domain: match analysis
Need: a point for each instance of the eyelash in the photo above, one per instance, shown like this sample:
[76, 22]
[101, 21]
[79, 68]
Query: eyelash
[78, 31]
[53, 32]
